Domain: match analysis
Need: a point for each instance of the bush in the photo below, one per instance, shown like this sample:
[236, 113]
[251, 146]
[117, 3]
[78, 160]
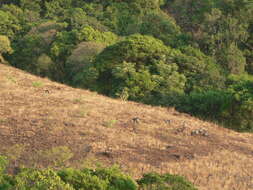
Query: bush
[40, 180]
[233, 106]
[240, 116]
[211, 104]
[117, 180]
[154, 181]
[84, 179]
[99, 179]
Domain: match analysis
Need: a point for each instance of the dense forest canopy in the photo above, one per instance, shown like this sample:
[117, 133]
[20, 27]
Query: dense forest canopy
[194, 55]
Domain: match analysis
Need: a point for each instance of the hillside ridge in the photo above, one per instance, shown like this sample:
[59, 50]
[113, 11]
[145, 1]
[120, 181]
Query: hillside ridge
[37, 115]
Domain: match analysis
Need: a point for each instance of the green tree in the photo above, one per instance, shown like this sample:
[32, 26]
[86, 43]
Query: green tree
[57, 8]
[8, 24]
[240, 116]
[161, 26]
[139, 66]
[201, 71]
[232, 59]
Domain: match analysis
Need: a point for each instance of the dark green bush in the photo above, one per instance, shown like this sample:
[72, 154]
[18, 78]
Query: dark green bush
[209, 104]
[154, 181]
[233, 107]
[83, 179]
[99, 179]
[117, 180]
[240, 116]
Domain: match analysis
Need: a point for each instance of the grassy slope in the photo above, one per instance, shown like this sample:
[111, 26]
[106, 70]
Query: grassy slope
[37, 114]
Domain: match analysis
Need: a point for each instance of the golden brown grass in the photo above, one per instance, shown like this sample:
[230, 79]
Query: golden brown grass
[94, 127]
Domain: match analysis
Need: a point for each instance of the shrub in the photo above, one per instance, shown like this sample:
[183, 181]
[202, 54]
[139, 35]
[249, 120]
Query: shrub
[99, 179]
[40, 180]
[84, 179]
[233, 106]
[211, 104]
[154, 181]
[117, 180]
[240, 116]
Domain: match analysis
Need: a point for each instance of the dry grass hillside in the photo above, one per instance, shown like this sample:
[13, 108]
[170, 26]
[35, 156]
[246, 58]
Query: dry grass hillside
[43, 123]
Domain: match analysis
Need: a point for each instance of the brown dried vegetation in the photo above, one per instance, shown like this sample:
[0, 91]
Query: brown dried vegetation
[55, 115]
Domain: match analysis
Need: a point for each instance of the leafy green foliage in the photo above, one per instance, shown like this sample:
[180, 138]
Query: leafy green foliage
[241, 88]
[233, 59]
[139, 66]
[163, 27]
[57, 8]
[154, 181]
[90, 34]
[82, 179]
[8, 24]
[5, 180]
[209, 104]
[117, 180]
[87, 179]
[82, 56]
[100, 179]
[3, 164]
[27, 51]
[233, 106]
[5, 45]
[200, 70]
[39, 180]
